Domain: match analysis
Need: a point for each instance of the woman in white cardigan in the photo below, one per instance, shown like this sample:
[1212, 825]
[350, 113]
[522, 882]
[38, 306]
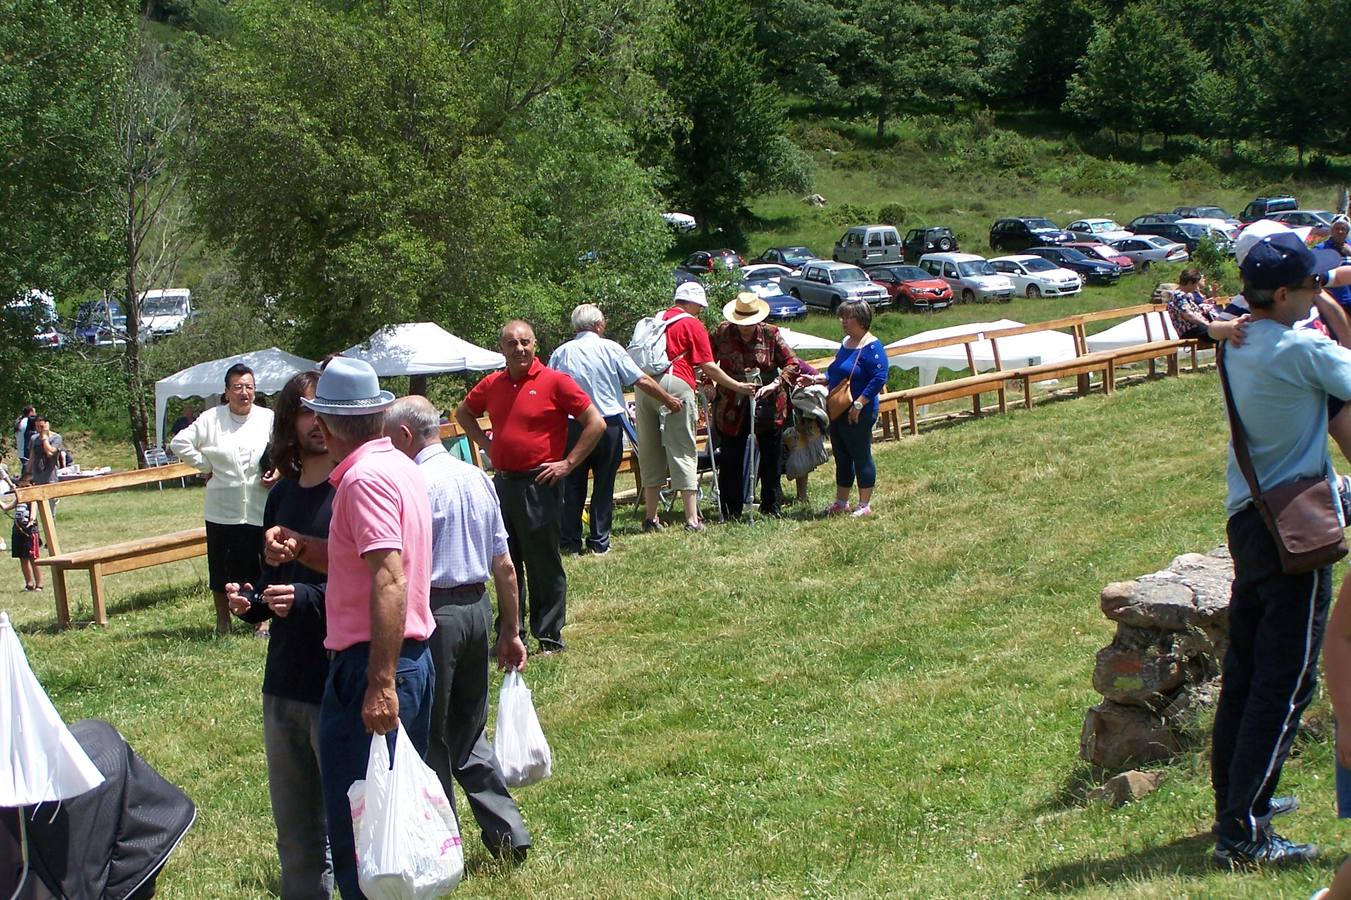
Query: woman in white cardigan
[228, 444]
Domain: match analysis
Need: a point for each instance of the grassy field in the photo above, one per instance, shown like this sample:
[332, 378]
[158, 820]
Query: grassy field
[795, 708]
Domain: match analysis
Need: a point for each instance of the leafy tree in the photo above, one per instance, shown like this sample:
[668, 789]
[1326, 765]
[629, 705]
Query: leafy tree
[1050, 37]
[728, 115]
[804, 44]
[1138, 74]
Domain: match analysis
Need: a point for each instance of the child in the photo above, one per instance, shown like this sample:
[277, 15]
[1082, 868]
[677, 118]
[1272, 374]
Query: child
[24, 543]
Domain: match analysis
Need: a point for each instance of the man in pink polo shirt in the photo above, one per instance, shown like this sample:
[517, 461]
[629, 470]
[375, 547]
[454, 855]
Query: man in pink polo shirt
[378, 558]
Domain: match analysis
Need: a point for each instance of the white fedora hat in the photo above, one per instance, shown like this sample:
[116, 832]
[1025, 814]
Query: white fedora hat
[348, 387]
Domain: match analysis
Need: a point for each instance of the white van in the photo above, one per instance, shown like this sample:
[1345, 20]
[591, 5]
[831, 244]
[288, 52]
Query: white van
[972, 277]
[165, 311]
[868, 245]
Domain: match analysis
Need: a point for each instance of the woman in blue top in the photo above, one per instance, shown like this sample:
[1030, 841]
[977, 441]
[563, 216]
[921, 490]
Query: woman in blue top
[863, 360]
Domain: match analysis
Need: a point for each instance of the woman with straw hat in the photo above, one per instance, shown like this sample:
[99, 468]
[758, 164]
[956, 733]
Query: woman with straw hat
[744, 343]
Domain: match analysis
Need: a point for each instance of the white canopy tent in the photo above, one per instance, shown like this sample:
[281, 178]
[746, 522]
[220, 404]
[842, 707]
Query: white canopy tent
[422, 348]
[272, 368]
[1029, 349]
[1133, 331]
[799, 340]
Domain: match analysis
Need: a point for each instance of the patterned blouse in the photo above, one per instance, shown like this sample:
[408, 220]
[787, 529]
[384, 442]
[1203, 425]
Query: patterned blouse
[767, 351]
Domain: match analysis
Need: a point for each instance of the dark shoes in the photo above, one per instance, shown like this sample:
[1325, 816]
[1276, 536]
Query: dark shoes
[504, 851]
[1273, 851]
[548, 648]
[1277, 806]
[651, 525]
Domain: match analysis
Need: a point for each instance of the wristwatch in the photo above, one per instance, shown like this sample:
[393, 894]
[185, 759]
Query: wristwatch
[858, 404]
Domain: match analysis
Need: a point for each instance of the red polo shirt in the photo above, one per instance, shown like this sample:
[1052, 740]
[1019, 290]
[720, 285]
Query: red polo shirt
[530, 416]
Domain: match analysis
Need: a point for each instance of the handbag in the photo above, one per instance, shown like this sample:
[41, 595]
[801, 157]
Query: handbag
[1301, 514]
[841, 397]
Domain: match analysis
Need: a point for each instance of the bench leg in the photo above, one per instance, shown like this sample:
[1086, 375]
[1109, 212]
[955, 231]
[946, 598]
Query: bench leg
[96, 589]
[62, 600]
[1085, 384]
[1173, 367]
[1109, 378]
[914, 421]
[1003, 400]
[1027, 393]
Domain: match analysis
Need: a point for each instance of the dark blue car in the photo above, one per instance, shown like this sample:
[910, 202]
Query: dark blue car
[763, 281]
[1090, 269]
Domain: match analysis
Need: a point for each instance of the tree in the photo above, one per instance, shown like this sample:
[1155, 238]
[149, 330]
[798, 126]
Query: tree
[1138, 74]
[803, 42]
[1051, 37]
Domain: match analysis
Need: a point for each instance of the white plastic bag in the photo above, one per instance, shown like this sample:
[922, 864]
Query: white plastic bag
[522, 751]
[407, 839]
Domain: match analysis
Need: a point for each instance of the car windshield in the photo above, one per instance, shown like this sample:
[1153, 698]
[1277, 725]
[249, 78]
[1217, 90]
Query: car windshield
[1075, 256]
[1037, 264]
[1156, 241]
[842, 275]
[1100, 251]
[911, 273]
[1212, 212]
[1041, 225]
[976, 267]
[1196, 231]
[797, 254]
[1101, 227]
[769, 273]
[163, 306]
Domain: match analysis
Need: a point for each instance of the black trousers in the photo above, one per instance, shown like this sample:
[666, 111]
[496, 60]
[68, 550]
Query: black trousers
[732, 470]
[458, 749]
[601, 466]
[1276, 624]
[531, 512]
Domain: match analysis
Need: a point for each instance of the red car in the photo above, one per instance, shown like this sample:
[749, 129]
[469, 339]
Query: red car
[1093, 249]
[911, 287]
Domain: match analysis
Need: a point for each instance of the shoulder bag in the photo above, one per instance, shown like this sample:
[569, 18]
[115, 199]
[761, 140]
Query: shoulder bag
[1301, 514]
[841, 397]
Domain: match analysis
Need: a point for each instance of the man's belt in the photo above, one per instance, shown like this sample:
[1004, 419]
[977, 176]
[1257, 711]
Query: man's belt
[521, 474]
[460, 595]
[411, 647]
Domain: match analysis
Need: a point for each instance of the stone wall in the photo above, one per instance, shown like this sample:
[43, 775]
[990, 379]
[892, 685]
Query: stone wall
[1163, 666]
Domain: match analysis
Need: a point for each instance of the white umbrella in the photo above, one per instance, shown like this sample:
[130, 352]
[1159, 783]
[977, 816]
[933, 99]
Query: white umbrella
[422, 348]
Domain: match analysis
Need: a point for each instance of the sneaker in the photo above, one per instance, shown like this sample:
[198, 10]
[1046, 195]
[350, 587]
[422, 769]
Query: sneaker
[862, 512]
[1321, 894]
[1277, 806]
[839, 507]
[595, 552]
[1272, 851]
[651, 525]
[696, 527]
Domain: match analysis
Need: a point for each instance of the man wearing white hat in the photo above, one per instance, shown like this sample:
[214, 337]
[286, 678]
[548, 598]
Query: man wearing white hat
[378, 557]
[666, 440]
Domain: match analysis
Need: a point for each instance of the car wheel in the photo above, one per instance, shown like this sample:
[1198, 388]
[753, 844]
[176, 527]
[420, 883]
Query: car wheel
[945, 244]
[1033, 292]
[1144, 265]
[968, 296]
[834, 304]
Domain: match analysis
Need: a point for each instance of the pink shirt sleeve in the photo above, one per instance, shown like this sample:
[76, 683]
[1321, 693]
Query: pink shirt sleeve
[373, 514]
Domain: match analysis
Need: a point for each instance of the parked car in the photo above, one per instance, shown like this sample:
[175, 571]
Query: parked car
[763, 281]
[1020, 233]
[1146, 249]
[919, 241]
[35, 310]
[1035, 277]
[911, 287]
[1211, 228]
[971, 277]
[1092, 270]
[1095, 249]
[165, 311]
[1230, 232]
[679, 221]
[828, 284]
[763, 272]
[1103, 230]
[101, 323]
[792, 257]
[1263, 207]
[1188, 236]
[868, 245]
[1320, 220]
[1206, 212]
[702, 262]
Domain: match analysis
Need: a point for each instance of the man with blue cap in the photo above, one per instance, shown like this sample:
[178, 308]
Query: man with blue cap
[1280, 379]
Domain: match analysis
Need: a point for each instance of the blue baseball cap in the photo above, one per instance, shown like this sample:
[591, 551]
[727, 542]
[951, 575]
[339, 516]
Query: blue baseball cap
[1283, 260]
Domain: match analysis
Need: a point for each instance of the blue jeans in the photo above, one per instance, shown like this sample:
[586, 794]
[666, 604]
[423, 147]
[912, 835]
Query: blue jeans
[345, 746]
[853, 449]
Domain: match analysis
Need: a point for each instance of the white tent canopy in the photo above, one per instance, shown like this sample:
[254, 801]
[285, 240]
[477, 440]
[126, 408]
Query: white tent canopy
[799, 340]
[1029, 349]
[272, 368]
[1132, 332]
[422, 348]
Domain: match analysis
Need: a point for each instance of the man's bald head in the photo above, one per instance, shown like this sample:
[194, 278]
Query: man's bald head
[413, 419]
[518, 346]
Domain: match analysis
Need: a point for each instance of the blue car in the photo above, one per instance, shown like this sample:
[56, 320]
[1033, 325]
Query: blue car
[1090, 268]
[763, 281]
[100, 322]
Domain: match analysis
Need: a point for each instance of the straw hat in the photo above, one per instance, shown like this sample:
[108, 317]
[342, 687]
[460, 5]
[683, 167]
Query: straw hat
[746, 309]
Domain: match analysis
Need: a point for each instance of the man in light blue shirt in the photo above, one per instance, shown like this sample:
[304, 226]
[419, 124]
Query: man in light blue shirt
[602, 369]
[469, 545]
[1280, 379]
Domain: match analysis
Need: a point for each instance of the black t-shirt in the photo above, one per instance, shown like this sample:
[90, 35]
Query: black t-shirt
[297, 663]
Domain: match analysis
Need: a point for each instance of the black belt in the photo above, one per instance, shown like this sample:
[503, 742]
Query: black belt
[410, 647]
[522, 475]
[616, 419]
[460, 595]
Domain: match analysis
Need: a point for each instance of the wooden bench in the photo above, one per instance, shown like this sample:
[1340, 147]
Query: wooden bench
[124, 556]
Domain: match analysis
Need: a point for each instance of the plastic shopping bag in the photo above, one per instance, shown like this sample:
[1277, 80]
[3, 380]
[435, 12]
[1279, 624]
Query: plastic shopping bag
[407, 839]
[522, 751]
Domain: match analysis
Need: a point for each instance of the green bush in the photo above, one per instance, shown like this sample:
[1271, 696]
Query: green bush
[892, 214]
[1196, 170]
[76, 386]
[816, 138]
[849, 214]
[1211, 260]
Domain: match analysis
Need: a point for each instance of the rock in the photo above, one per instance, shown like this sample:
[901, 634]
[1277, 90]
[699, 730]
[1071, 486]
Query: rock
[1168, 605]
[1138, 677]
[1126, 787]
[815, 200]
[1116, 736]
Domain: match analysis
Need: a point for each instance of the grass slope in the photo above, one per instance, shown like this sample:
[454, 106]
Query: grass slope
[802, 707]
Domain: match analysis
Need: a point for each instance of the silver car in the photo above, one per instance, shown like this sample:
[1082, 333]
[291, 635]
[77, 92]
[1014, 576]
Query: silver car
[1146, 249]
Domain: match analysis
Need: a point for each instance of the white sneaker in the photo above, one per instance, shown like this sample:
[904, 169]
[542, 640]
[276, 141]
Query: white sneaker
[862, 512]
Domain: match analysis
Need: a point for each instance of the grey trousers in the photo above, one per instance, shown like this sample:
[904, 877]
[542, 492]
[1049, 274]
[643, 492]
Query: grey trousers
[533, 514]
[291, 740]
[458, 747]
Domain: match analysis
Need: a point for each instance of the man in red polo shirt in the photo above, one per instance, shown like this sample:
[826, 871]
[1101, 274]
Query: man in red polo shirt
[529, 405]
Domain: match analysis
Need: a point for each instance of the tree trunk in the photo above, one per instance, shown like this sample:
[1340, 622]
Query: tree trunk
[1299, 150]
[131, 357]
[881, 121]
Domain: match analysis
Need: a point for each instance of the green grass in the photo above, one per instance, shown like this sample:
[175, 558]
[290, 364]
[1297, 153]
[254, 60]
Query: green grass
[795, 708]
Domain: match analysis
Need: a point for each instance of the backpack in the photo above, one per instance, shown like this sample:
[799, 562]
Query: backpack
[648, 344]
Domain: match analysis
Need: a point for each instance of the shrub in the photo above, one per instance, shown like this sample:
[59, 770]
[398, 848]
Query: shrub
[1196, 169]
[892, 214]
[815, 138]
[849, 214]
[1211, 260]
